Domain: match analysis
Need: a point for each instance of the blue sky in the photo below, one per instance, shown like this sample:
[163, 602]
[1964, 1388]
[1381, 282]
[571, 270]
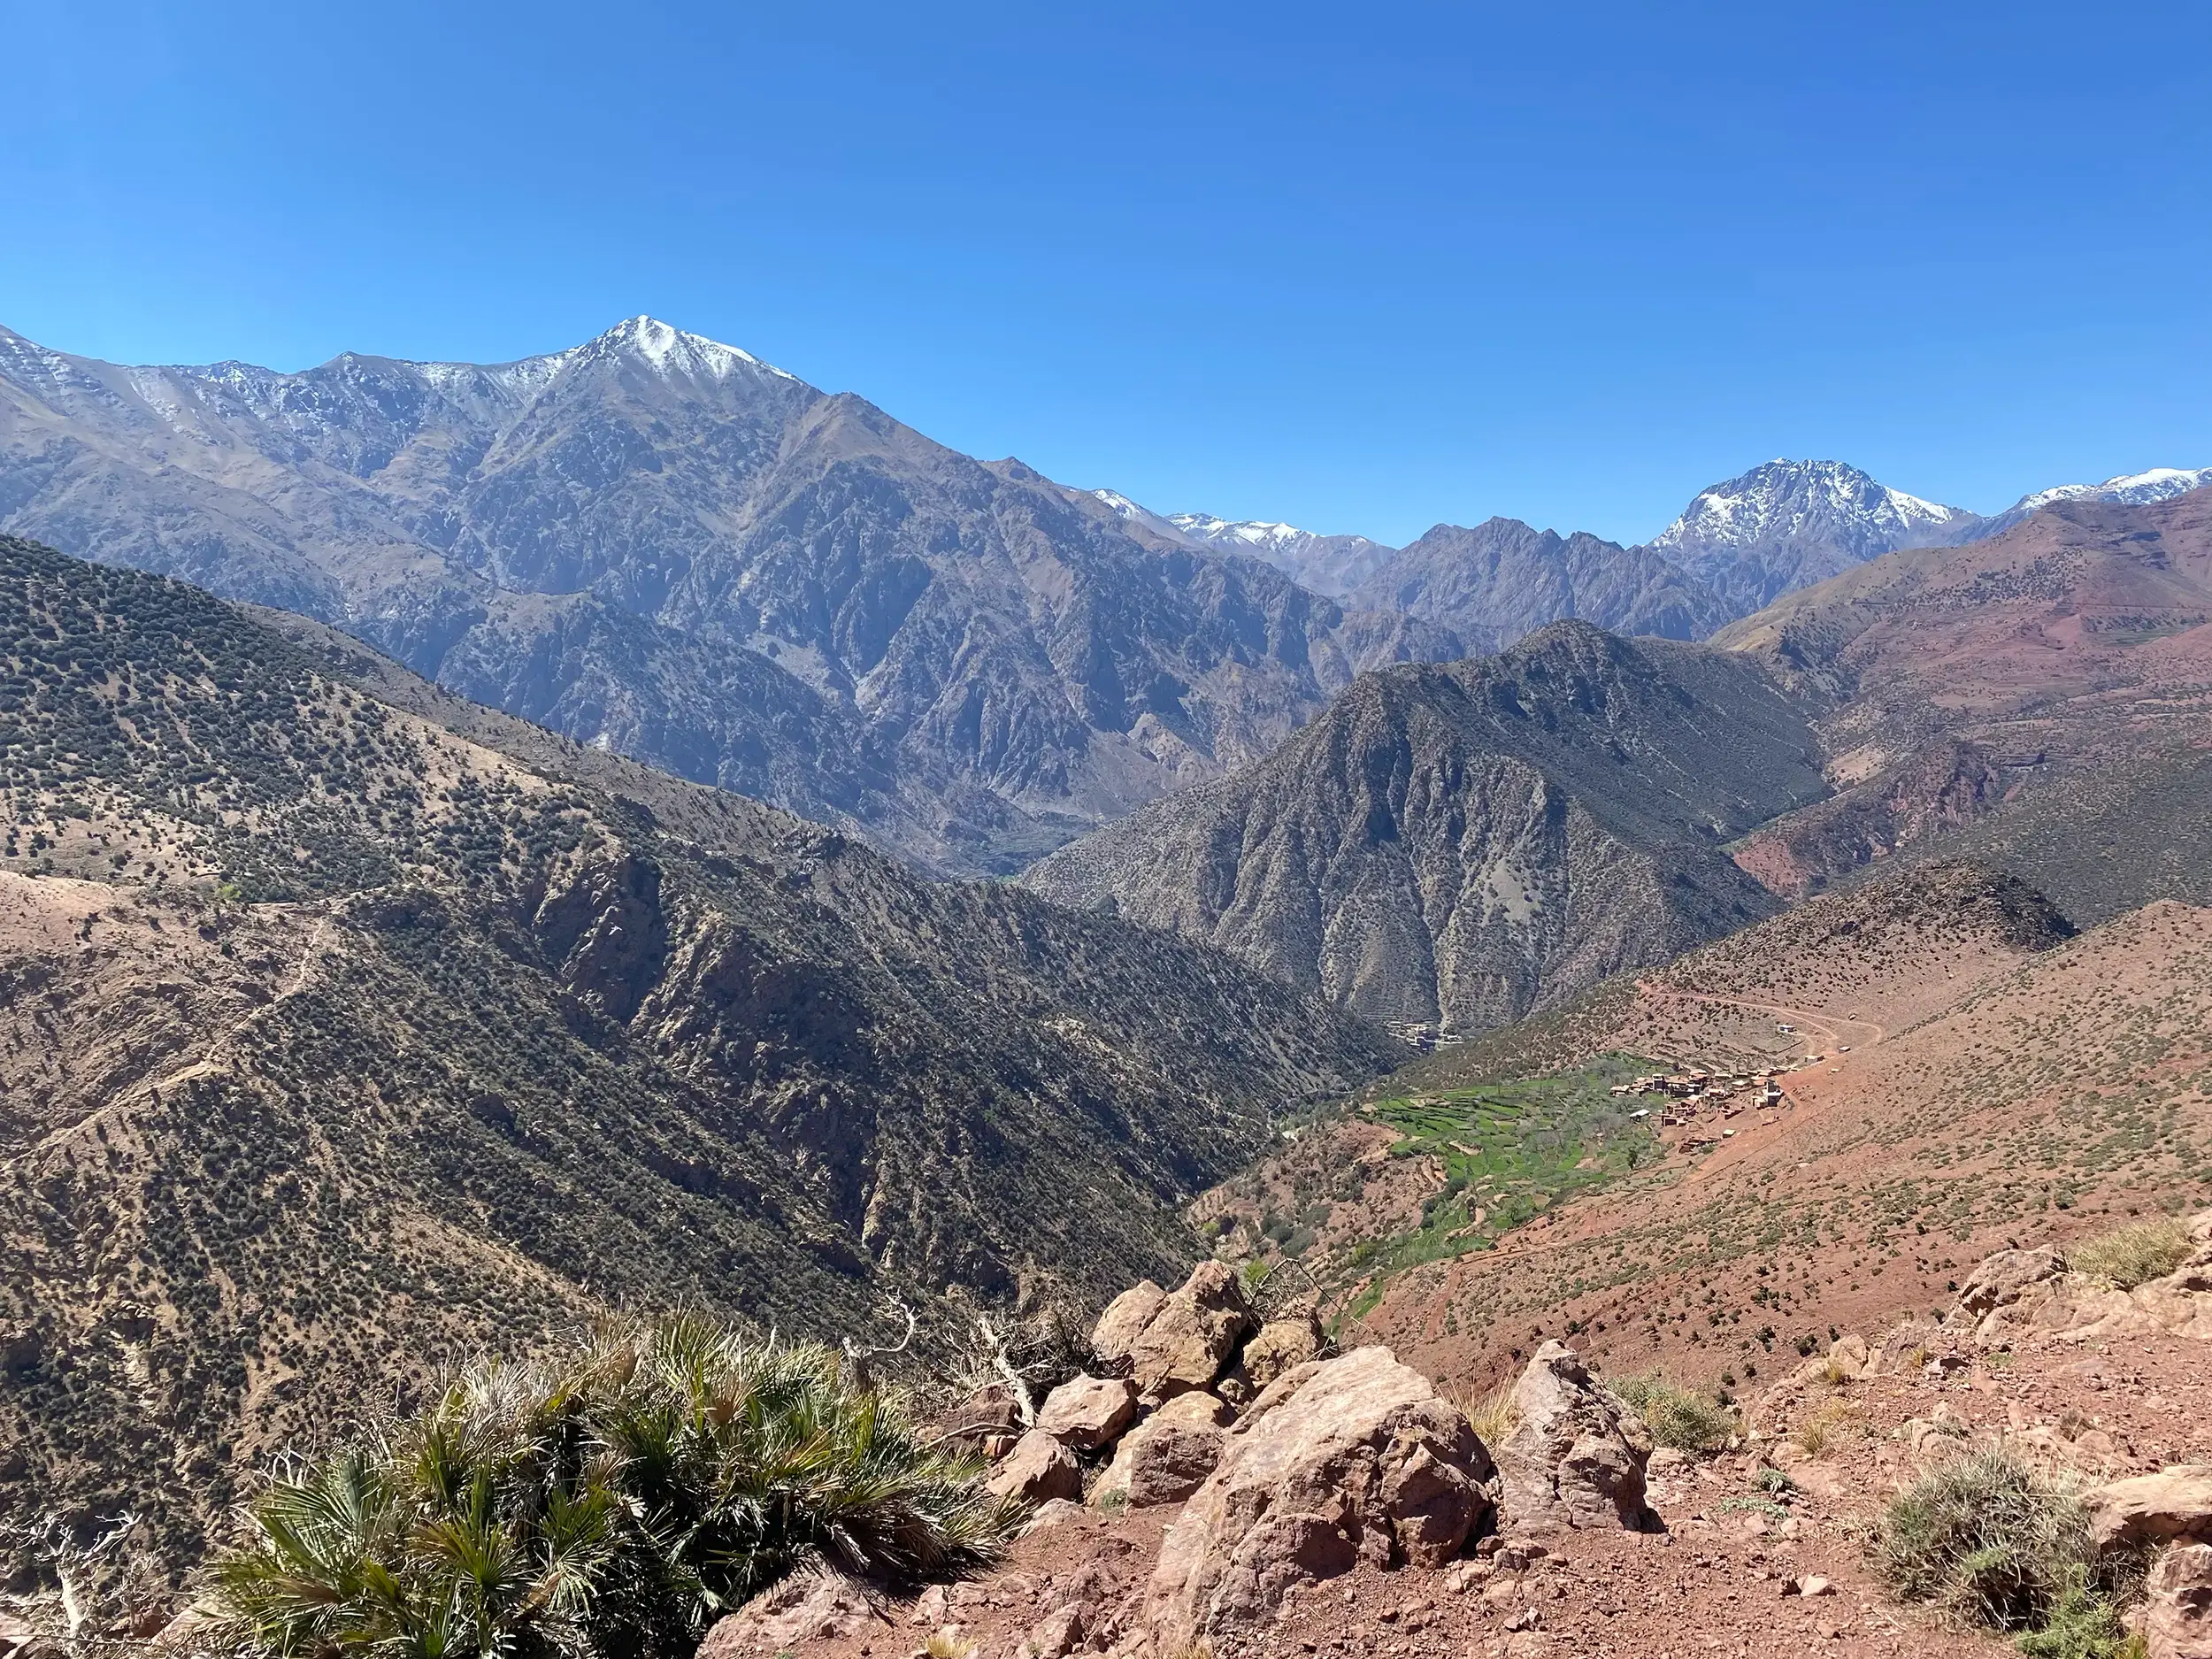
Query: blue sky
[1362, 267]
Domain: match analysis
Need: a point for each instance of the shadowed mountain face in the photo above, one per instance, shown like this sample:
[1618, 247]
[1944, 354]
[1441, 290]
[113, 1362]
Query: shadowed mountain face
[1465, 843]
[346, 1025]
[1502, 580]
[659, 545]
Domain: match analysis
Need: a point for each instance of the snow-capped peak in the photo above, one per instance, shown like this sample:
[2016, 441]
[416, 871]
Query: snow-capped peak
[2160, 483]
[1136, 512]
[1785, 499]
[670, 350]
[1253, 533]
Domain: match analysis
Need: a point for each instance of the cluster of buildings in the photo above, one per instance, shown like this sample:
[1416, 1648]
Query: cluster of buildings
[1688, 1091]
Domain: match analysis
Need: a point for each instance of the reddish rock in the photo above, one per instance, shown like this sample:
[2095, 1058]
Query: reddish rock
[1162, 1460]
[1192, 1335]
[805, 1606]
[1038, 1469]
[1123, 1321]
[2174, 1503]
[2178, 1611]
[1087, 1412]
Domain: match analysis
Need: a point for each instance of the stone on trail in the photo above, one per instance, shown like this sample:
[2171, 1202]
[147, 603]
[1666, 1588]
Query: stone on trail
[805, 1606]
[1578, 1456]
[1125, 1320]
[1162, 1460]
[1192, 1335]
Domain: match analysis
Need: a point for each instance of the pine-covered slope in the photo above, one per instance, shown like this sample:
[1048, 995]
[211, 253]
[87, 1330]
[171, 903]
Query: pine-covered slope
[346, 1025]
[1468, 842]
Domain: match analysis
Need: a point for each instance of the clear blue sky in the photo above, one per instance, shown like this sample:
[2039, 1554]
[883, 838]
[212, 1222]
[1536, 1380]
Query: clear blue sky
[1360, 266]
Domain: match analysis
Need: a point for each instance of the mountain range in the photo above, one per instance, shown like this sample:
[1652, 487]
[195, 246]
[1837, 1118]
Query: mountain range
[662, 546]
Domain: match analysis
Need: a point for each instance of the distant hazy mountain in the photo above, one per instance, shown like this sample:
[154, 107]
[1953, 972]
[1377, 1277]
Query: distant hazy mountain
[1503, 579]
[660, 544]
[1331, 564]
[1472, 840]
[1789, 524]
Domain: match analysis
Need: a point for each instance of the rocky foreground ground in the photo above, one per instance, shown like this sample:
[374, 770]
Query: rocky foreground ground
[1236, 1489]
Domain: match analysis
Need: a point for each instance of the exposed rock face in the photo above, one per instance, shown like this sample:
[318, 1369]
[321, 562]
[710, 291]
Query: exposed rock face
[1038, 1469]
[1162, 1460]
[2174, 1503]
[1123, 1321]
[1502, 579]
[1087, 1412]
[2177, 1617]
[1278, 1345]
[1576, 1457]
[2002, 1281]
[1466, 843]
[1362, 1459]
[1191, 1334]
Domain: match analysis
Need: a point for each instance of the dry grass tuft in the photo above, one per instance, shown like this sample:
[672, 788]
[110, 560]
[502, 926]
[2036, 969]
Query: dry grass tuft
[2134, 1255]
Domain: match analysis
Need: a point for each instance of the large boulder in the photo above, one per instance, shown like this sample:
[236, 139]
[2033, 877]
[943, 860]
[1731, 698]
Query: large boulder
[1162, 1460]
[1123, 1321]
[1578, 1454]
[1280, 1345]
[2146, 1510]
[1089, 1412]
[2178, 1610]
[1361, 1460]
[1038, 1469]
[1192, 1335]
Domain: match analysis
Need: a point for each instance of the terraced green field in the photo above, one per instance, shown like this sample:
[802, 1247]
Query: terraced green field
[1511, 1151]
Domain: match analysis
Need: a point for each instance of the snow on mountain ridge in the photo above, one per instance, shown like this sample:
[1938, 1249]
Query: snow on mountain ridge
[1785, 498]
[2157, 483]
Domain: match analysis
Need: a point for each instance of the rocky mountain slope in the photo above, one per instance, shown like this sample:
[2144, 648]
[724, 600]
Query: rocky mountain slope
[1464, 843]
[2042, 691]
[347, 1025]
[1502, 580]
[1953, 1064]
[659, 544]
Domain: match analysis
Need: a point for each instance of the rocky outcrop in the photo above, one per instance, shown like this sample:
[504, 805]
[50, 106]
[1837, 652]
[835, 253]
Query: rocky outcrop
[2017, 1290]
[2177, 1609]
[1163, 1460]
[1192, 1335]
[1362, 1461]
[2003, 1281]
[1577, 1455]
[1280, 1345]
[805, 1606]
[1124, 1322]
[1087, 1412]
[2175, 1503]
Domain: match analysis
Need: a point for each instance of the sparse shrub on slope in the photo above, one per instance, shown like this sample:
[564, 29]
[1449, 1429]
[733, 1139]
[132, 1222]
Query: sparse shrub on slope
[613, 1502]
[2130, 1256]
[1676, 1417]
[1993, 1539]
